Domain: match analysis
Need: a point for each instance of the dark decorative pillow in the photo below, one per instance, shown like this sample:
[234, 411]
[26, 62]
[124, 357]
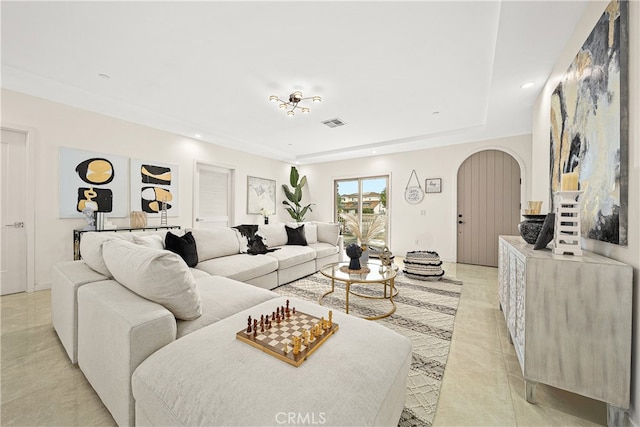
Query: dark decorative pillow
[546, 234]
[184, 246]
[295, 236]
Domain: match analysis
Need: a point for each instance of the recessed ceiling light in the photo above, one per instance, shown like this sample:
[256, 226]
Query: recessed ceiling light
[526, 85]
[104, 76]
[197, 135]
[435, 113]
[374, 151]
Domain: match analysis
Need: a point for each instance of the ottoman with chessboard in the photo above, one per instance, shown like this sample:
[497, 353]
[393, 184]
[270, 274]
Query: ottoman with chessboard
[354, 374]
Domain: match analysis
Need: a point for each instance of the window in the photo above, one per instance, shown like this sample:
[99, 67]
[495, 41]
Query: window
[364, 200]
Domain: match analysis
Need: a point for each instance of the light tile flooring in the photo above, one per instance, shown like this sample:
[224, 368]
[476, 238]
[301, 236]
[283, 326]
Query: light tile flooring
[482, 383]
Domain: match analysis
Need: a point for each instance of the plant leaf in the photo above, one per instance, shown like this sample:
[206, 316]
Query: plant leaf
[293, 176]
[303, 181]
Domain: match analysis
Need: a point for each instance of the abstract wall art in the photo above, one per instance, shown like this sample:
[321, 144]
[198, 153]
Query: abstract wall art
[261, 195]
[89, 180]
[153, 183]
[589, 127]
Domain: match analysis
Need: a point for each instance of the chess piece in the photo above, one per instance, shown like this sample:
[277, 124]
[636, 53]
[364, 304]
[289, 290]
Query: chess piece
[294, 310]
[255, 328]
[286, 347]
[330, 319]
[249, 325]
[306, 336]
[296, 345]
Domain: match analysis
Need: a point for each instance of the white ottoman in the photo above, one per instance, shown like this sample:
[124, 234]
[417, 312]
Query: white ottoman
[358, 377]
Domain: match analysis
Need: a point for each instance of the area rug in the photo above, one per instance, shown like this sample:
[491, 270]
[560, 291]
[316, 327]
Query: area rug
[425, 314]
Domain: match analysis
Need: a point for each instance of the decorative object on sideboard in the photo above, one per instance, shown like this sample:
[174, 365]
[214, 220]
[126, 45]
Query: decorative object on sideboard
[99, 220]
[294, 196]
[163, 212]
[265, 215]
[293, 103]
[567, 232]
[546, 234]
[137, 219]
[534, 207]
[413, 194]
[531, 226]
[589, 130]
[354, 252]
[89, 216]
[433, 185]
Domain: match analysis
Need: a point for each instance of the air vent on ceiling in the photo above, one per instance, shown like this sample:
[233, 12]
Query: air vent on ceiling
[334, 123]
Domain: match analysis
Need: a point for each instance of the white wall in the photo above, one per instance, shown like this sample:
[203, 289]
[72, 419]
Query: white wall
[409, 229]
[54, 125]
[629, 254]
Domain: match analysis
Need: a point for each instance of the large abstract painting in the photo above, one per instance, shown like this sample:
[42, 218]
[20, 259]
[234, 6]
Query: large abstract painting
[153, 183]
[261, 195]
[589, 127]
[91, 181]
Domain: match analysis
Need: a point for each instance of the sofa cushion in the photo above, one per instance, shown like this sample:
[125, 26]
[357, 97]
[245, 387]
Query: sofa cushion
[150, 240]
[159, 276]
[295, 236]
[311, 233]
[324, 249]
[215, 242]
[91, 249]
[240, 267]
[185, 246]
[222, 297]
[310, 230]
[328, 232]
[273, 234]
[290, 255]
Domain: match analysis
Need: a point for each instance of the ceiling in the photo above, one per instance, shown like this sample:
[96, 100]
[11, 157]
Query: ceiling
[401, 75]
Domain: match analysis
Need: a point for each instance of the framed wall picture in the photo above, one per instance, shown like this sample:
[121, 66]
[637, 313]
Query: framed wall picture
[90, 180]
[261, 195]
[153, 183]
[433, 185]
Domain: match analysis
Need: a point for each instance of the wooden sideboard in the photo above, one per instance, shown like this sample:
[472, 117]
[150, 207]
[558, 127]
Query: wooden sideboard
[77, 235]
[569, 318]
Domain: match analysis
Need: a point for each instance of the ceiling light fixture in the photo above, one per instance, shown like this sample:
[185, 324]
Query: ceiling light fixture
[526, 85]
[292, 104]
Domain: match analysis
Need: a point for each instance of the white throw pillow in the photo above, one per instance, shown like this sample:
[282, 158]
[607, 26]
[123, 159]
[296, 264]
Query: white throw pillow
[311, 233]
[91, 249]
[273, 234]
[157, 275]
[328, 232]
[153, 241]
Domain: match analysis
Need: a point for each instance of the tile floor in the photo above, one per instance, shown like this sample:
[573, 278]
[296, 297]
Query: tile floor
[482, 384]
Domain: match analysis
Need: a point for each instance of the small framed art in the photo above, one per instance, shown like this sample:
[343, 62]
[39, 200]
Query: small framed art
[433, 185]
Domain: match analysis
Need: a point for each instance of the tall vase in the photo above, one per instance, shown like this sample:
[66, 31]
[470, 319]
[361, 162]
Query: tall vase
[364, 258]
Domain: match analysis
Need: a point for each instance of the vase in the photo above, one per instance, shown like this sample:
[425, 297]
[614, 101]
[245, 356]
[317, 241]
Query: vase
[364, 258]
[530, 228]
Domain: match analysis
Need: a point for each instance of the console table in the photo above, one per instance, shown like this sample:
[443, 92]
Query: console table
[569, 319]
[77, 235]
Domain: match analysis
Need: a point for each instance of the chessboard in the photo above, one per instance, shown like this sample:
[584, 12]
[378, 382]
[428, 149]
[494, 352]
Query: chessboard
[289, 335]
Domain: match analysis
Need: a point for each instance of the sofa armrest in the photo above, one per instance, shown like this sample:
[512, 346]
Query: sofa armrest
[67, 277]
[341, 248]
[117, 330]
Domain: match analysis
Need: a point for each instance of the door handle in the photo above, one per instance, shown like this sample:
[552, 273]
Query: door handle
[199, 219]
[15, 225]
[460, 222]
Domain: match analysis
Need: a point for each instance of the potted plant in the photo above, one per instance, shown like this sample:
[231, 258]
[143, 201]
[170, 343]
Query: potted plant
[294, 196]
[371, 227]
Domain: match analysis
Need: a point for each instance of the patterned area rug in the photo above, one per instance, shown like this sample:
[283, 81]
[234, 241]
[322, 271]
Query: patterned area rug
[425, 314]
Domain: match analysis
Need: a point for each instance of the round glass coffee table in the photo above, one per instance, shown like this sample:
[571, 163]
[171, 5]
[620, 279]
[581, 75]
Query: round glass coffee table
[371, 273]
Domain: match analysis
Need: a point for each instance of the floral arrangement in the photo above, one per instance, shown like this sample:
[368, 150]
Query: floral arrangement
[371, 227]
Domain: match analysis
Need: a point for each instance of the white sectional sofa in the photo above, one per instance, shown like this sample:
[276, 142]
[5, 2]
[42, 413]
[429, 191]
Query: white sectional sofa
[128, 298]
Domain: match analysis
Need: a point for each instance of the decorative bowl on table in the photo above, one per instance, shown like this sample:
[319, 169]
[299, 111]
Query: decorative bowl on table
[530, 227]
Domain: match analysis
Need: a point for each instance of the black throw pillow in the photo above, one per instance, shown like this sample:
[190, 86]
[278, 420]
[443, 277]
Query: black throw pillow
[184, 246]
[295, 236]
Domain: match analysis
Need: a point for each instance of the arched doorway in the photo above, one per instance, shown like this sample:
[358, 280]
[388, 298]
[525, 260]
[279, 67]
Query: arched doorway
[488, 205]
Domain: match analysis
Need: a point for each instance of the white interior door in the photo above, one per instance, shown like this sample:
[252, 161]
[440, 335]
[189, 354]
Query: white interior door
[213, 198]
[13, 213]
